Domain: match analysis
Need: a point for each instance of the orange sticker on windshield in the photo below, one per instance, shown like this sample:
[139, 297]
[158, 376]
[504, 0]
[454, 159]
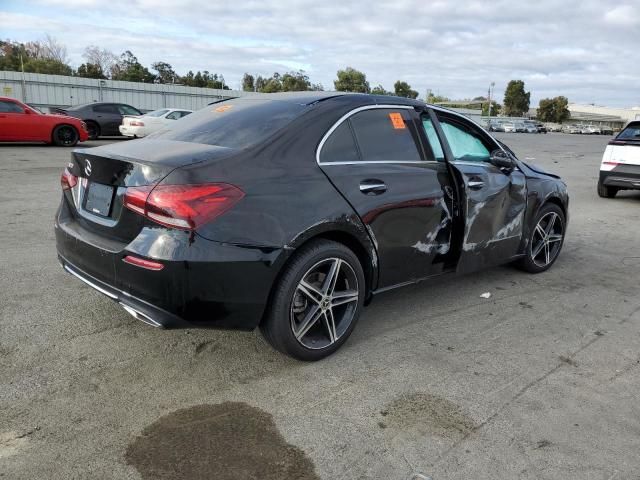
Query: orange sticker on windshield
[223, 108]
[397, 121]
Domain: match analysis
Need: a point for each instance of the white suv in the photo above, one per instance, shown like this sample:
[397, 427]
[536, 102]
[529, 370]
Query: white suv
[620, 168]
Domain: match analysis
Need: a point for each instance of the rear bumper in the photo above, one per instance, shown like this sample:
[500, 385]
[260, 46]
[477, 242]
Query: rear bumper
[622, 176]
[203, 284]
[131, 131]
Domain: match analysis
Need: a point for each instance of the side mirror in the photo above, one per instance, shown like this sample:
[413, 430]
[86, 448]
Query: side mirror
[501, 159]
[27, 111]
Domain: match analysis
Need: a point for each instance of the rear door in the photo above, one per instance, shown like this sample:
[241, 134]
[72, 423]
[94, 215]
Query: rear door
[493, 199]
[377, 162]
[108, 117]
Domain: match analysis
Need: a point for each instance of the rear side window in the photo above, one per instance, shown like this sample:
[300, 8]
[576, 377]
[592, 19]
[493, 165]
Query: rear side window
[632, 132]
[385, 135]
[128, 110]
[236, 123]
[340, 146]
[10, 107]
[105, 109]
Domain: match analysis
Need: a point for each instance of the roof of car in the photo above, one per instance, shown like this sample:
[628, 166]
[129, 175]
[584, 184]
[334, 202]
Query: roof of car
[310, 97]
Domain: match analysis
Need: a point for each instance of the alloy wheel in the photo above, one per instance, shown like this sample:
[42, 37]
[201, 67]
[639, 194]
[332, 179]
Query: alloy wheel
[324, 303]
[547, 239]
[66, 136]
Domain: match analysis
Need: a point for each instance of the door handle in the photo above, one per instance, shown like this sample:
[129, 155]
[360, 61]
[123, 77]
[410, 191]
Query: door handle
[372, 187]
[475, 184]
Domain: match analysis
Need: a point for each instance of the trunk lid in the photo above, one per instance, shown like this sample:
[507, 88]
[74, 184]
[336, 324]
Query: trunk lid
[104, 174]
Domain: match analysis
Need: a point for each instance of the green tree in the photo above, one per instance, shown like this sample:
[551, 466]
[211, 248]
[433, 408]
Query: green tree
[90, 70]
[432, 98]
[35, 57]
[295, 82]
[165, 74]
[380, 90]
[403, 89]
[351, 80]
[248, 83]
[101, 57]
[129, 69]
[516, 100]
[553, 109]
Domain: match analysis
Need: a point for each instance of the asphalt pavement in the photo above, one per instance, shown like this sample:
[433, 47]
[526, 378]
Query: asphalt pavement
[539, 381]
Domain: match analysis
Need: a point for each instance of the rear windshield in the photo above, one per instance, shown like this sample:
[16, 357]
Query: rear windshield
[156, 113]
[632, 132]
[234, 123]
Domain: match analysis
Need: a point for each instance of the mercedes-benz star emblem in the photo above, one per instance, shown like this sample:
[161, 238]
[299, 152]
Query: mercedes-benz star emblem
[87, 168]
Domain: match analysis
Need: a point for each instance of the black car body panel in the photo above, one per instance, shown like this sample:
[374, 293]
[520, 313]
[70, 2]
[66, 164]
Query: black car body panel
[106, 115]
[428, 219]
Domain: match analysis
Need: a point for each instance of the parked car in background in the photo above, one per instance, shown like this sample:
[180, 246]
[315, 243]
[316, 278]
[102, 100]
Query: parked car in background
[21, 123]
[553, 127]
[606, 130]
[509, 127]
[541, 128]
[48, 110]
[495, 126]
[102, 118]
[141, 126]
[620, 167]
[571, 129]
[195, 225]
[530, 127]
[593, 130]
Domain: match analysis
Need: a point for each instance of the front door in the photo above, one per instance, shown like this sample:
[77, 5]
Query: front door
[376, 161]
[109, 118]
[15, 124]
[493, 199]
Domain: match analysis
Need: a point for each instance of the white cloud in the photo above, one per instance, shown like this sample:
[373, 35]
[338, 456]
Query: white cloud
[456, 48]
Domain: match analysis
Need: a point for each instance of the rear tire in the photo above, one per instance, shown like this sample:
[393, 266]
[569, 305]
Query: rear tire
[545, 240]
[317, 301]
[607, 192]
[65, 136]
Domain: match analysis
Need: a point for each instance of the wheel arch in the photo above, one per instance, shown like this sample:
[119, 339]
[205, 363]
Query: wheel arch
[362, 248]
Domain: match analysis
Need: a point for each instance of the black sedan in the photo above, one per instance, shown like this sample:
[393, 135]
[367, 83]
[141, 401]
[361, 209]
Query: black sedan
[102, 118]
[290, 212]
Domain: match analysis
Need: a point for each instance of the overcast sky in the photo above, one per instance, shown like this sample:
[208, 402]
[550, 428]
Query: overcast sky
[587, 50]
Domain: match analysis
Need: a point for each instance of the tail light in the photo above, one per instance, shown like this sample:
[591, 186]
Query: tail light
[186, 207]
[68, 180]
[136, 123]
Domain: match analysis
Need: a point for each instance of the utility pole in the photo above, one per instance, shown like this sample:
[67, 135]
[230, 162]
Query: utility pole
[490, 88]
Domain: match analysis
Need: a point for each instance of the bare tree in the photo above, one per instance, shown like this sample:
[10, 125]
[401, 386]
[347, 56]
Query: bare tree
[54, 50]
[101, 57]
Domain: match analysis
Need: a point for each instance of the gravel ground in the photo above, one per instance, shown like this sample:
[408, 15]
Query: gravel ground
[541, 381]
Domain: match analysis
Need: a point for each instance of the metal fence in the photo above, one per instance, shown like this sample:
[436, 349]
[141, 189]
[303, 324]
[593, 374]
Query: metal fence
[62, 91]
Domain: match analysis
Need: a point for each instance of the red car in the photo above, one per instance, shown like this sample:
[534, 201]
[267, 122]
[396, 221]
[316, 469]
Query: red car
[21, 123]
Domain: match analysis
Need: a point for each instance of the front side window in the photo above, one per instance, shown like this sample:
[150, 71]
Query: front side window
[385, 135]
[10, 107]
[466, 142]
[432, 137]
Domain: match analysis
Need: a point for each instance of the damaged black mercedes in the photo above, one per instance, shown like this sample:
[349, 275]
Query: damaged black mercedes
[289, 212]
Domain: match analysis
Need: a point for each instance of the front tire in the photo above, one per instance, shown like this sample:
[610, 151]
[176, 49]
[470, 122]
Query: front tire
[606, 192]
[65, 136]
[317, 301]
[93, 129]
[545, 240]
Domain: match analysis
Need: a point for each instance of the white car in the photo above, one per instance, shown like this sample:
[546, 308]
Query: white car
[620, 168]
[140, 126]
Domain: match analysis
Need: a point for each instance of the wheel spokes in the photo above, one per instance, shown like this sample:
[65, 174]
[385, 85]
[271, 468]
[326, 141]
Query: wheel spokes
[554, 237]
[550, 224]
[330, 323]
[309, 321]
[310, 292]
[346, 296]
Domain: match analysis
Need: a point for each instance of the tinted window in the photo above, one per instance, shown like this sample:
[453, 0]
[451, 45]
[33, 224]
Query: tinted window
[184, 113]
[237, 123]
[432, 136]
[340, 146]
[10, 107]
[127, 110]
[466, 142]
[384, 135]
[105, 109]
[631, 132]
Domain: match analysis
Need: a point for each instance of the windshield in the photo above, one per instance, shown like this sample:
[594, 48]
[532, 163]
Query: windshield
[632, 131]
[156, 113]
[234, 123]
